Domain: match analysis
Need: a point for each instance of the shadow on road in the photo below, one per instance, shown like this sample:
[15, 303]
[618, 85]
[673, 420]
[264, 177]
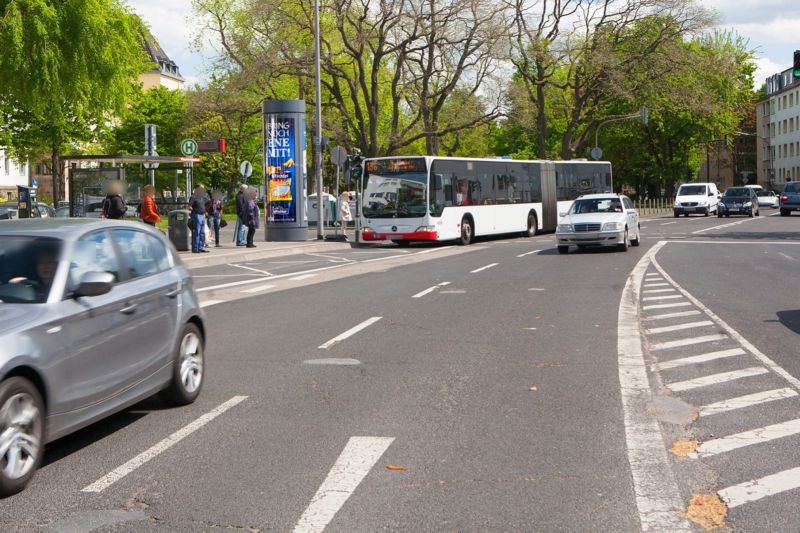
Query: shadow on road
[66, 446]
[790, 319]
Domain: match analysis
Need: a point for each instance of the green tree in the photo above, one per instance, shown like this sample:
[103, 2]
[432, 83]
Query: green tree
[160, 106]
[67, 66]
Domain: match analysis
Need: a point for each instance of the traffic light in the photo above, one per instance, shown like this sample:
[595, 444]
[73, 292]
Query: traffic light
[352, 169]
[796, 69]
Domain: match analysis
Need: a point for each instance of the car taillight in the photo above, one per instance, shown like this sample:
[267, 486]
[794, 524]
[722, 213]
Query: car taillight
[784, 198]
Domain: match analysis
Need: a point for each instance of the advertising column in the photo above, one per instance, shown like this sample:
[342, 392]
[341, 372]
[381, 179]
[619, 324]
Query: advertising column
[285, 170]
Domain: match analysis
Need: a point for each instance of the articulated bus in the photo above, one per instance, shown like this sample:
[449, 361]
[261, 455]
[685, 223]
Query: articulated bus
[407, 199]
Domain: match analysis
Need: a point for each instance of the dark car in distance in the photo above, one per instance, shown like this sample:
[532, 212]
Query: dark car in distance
[738, 201]
[790, 198]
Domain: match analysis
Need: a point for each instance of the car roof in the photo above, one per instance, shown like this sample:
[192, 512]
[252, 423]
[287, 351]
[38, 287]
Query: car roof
[599, 196]
[65, 228]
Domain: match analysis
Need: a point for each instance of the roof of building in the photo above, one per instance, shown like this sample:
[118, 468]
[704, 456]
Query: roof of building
[166, 66]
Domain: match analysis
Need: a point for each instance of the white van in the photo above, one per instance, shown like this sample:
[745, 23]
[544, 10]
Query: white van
[701, 198]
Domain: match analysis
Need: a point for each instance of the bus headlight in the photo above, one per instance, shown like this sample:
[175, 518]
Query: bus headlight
[613, 226]
[564, 228]
[367, 229]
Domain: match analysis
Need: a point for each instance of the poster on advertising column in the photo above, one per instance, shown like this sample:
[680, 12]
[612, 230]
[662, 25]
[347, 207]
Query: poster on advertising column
[281, 170]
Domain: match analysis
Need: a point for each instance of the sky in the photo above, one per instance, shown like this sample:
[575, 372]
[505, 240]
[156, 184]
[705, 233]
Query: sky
[770, 26]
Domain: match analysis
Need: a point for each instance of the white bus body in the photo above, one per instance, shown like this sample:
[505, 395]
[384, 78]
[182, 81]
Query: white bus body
[409, 199]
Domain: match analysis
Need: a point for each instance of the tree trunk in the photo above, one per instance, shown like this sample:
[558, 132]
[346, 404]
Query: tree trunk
[541, 118]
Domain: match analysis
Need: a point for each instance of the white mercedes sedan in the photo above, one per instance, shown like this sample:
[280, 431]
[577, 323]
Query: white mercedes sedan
[598, 220]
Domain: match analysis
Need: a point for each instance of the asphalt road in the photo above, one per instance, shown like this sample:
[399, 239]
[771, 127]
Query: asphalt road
[482, 392]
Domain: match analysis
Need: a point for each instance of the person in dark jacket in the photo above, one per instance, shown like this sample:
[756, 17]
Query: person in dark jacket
[114, 206]
[197, 205]
[214, 212]
[252, 217]
[241, 206]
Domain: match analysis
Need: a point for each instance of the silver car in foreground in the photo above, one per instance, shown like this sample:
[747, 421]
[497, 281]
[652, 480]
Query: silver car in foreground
[599, 220]
[94, 317]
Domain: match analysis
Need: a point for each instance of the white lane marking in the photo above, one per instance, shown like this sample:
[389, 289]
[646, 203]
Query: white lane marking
[789, 257]
[487, 267]
[756, 489]
[259, 288]
[702, 358]
[715, 379]
[735, 335]
[301, 278]
[536, 289]
[251, 269]
[651, 298]
[749, 438]
[780, 243]
[679, 327]
[649, 285]
[155, 450]
[431, 289]
[529, 253]
[209, 303]
[687, 342]
[668, 223]
[651, 274]
[333, 361]
[679, 314]
[664, 306]
[658, 499]
[333, 258]
[356, 460]
[273, 278]
[728, 225]
[455, 291]
[350, 332]
[746, 401]
[658, 291]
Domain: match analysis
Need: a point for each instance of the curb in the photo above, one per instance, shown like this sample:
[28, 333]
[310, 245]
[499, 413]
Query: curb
[213, 259]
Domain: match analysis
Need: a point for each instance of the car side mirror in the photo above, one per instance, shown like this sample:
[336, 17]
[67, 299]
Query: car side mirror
[711, 194]
[562, 214]
[94, 284]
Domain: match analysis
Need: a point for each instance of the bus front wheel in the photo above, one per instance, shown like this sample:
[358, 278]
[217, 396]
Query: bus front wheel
[466, 231]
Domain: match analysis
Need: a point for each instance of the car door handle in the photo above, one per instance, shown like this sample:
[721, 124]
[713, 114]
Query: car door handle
[173, 293]
[129, 310]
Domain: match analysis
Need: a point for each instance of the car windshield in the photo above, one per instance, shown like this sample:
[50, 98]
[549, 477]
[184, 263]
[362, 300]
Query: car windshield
[792, 187]
[737, 193]
[692, 190]
[763, 193]
[27, 267]
[596, 205]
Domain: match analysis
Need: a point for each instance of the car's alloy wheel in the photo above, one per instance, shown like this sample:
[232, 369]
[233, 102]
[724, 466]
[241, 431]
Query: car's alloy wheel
[624, 245]
[21, 434]
[188, 370]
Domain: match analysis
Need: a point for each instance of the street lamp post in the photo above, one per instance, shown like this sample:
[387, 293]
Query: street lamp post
[318, 139]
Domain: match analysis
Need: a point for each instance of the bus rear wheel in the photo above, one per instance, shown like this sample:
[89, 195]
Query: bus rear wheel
[533, 225]
[466, 231]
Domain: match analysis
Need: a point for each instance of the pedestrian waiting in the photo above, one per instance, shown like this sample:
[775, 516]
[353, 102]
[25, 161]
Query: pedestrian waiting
[214, 212]
[148, 210]
[197, 220]
[241, 207]
[252, 216]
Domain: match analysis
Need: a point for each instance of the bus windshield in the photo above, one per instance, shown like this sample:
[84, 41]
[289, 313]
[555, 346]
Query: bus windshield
[395, 188]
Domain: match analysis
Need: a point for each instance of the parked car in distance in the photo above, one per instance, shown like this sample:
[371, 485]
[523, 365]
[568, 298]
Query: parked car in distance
[767, 198]
[94, 317]
[42, 210]
[599, 220]
[62, 211]
[790, 198]
[701, 198]
[738, 201]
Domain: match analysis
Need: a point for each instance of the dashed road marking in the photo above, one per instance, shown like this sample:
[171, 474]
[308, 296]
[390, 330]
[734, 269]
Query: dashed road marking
[350, 332]
[688, 341]
[667, 297]
[658, 291]
[159, 448]
[356, 460]
[756, 489]
[665, 306]
[529, 253]
[209, 303]
[702, 358]
[716, 379]
[749, 438]
[301, 278]
[679, 327]
[260, 288]
[748, 400]
[679, 314]
[649, 285]
[481, 269]
[430, 289]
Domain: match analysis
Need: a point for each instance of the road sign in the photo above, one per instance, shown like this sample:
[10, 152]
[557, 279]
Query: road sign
[188, 147]
[149, 139]
[148, 166]
[597, 153]
[246, 169]
[338, 155]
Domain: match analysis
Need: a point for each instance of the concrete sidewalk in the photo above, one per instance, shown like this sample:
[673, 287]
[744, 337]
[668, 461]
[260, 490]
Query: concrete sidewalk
[228, 252]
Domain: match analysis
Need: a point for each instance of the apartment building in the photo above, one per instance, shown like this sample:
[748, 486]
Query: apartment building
[12, 174]
[778, 127]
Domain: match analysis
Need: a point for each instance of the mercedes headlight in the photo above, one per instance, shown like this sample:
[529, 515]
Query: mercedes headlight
[676, 204]
[564, 228]
[613, 226]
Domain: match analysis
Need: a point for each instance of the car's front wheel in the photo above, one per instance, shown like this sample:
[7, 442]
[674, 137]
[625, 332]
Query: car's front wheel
[188, 368]
[21, 434]
[784, 212]
[563, 249]
[623, 246]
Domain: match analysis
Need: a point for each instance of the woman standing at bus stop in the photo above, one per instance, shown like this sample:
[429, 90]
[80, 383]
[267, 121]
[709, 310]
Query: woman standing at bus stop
[149, 210]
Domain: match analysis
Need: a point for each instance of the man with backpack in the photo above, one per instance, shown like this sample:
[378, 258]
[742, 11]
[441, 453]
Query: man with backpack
[114, 206]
